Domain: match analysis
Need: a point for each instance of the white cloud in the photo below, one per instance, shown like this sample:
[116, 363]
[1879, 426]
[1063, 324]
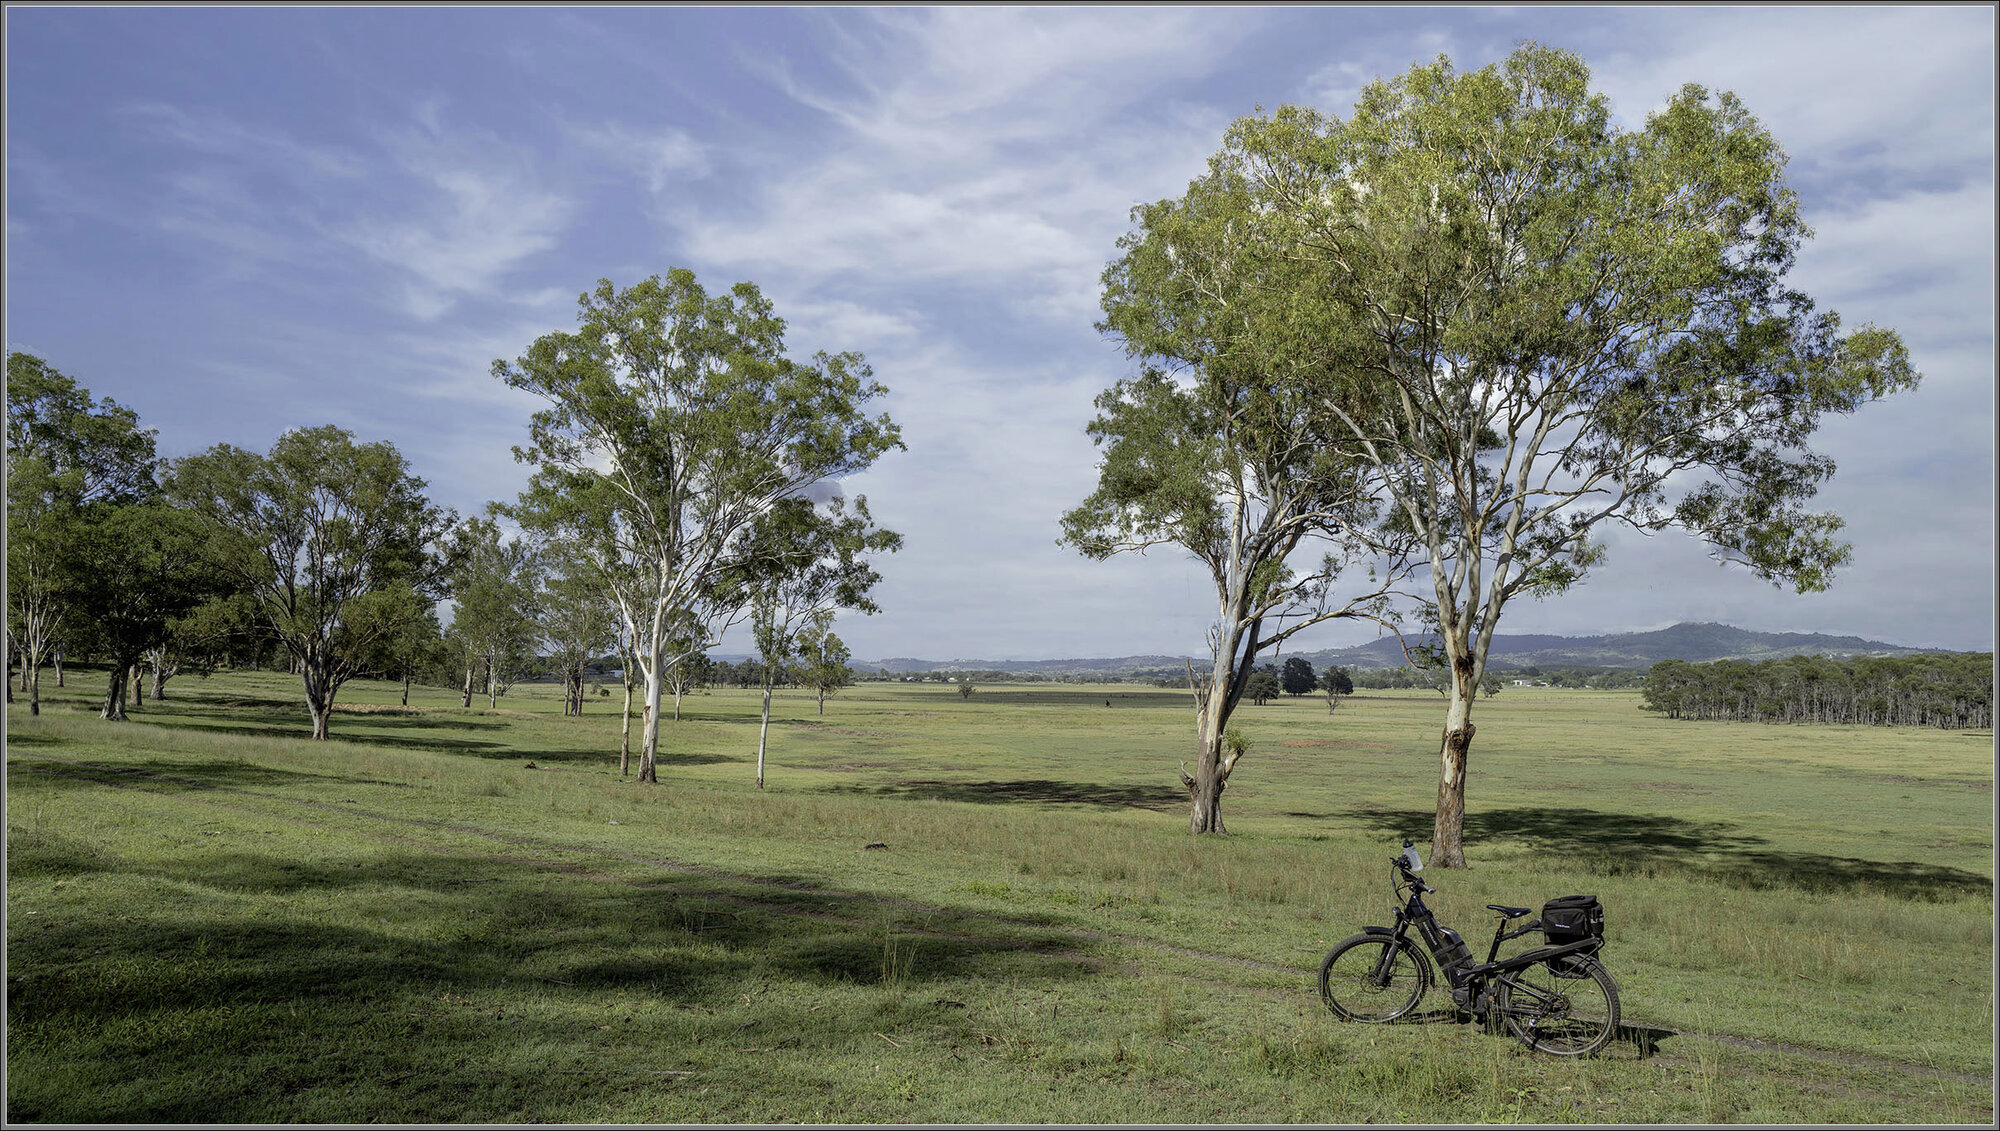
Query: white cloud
[481, 210]
[1000, 152]
[1864, 91]
[1334, 88]
[267, 149]
[1920, 261]
[662, 156]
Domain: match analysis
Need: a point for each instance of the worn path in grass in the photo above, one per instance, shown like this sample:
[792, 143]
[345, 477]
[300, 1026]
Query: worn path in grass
[1066, 942]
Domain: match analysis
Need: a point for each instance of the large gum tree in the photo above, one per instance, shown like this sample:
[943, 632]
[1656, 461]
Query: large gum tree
[675, 420]
[797, 567]
[1220, 446]
[1561, 324]
[68, 459]
[334, 541]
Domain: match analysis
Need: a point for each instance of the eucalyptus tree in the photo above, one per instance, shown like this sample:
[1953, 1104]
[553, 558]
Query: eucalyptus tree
[39, 532]
[798, 563]
[823, 658]
[575, 618]
[1222, 447]
[334, 541]
[416, 646]
[65, 453]
[1563, 324]
[493, 590]
[691, 670]
[137, 569]
[221, 630]
[1298, 676]
[675, 420]
[1337, 684]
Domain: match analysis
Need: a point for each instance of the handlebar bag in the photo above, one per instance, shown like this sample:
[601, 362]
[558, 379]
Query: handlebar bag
[1572, 918]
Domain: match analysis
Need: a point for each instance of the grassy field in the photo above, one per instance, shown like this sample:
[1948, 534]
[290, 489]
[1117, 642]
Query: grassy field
[982, 910]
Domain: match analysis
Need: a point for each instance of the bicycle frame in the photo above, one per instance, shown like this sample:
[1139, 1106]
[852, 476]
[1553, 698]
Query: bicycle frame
[1380, 975]
[1468, 976]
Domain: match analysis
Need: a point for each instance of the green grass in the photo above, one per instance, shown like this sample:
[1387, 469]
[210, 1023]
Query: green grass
[211, 919]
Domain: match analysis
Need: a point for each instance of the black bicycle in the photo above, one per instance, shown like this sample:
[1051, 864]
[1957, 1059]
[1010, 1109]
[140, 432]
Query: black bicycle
[1556, 998]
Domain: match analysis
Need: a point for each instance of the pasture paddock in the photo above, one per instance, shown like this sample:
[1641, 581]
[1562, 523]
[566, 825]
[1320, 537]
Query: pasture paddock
[211, 919]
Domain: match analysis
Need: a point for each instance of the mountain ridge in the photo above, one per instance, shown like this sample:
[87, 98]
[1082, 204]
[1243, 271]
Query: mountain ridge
[1693, 641]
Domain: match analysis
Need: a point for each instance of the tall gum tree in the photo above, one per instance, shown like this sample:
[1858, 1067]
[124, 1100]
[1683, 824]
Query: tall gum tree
[493, 591]
[65, 454]
[334, 540]
[675, 420]
[1222, 447]
[575, 618]
[137, 568]
[1564, 324]
[798, 564]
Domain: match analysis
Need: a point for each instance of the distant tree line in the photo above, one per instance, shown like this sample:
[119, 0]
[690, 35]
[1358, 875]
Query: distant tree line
[1497, 676]
[1950, 691]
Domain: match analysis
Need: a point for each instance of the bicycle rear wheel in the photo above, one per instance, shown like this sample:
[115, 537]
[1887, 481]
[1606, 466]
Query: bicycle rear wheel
[1572, 1015]
[1373, 978]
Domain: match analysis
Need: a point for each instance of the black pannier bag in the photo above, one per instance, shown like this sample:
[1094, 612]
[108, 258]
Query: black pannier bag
[1572, 918]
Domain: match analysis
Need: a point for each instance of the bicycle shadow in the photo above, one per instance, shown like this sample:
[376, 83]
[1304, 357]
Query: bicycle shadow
[1644, 1040]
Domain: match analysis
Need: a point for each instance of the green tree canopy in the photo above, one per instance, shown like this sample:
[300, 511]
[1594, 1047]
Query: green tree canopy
[675, 420]
[1298, 676]
[1556, 323]
[139, 567]
[335, 541]
[493, 589]
[1222, 445]
[65, 453]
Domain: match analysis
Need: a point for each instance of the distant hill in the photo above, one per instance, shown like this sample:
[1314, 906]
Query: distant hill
[1688, 641]
[1694, 642]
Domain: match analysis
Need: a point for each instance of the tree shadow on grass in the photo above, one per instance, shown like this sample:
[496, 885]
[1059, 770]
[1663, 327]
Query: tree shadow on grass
[160, 776]
[301, 729]
[1614, 844]
[447, 1011]
[1154, 798]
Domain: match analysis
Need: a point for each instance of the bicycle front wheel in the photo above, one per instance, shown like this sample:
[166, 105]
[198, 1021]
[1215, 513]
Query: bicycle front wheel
[1373, 978]
[1562, 1015]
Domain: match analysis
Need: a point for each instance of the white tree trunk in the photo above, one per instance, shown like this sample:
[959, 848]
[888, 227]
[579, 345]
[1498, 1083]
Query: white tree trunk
[763, 730]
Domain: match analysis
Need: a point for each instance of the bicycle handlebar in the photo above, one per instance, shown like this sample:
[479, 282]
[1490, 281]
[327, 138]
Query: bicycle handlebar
[1403, 866]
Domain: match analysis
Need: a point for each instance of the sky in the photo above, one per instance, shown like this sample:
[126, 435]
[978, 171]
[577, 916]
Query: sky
[238, 221]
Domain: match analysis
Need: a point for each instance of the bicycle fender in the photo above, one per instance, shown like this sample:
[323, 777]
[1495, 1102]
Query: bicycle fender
[1377, 931]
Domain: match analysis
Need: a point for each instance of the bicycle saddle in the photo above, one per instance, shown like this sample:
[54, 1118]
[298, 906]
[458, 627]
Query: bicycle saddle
[1509, 912]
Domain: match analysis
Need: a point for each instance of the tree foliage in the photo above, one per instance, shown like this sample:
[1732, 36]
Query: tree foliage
[69, 462]
[1952, 691]
[575, 618]
[1222, 445]
[823, 658]
[493, 587]
[1554, 323]
[675, 420]
[1298, 676]
[88, 452]
[1337, 684]
[334, 540]
[138, 568]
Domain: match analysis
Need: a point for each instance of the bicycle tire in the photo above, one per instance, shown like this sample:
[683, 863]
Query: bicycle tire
[1348, 987]
[1560, 1014]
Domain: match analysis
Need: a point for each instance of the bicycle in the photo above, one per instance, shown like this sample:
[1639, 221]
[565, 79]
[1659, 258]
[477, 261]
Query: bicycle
[1556, 998]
